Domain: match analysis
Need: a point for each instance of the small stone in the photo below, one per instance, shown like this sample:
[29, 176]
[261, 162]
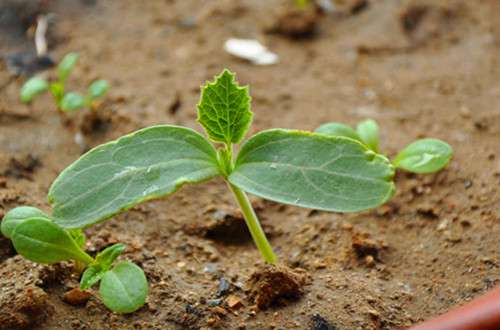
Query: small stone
[442, 225]
[76, 297]
[219, 311]
[319, 264]
[234, 301]
[370, 261]
[214, 302]
[224, 287]
[347, 226]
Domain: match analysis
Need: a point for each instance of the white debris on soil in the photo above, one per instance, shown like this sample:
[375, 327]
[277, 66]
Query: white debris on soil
[251, 50]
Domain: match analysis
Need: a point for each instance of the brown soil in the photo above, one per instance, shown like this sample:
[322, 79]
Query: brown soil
[419, 68]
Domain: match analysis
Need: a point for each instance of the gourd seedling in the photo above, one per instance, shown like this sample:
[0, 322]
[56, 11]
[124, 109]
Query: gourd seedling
[421, 156]
[65, 102]
[123, 288]
[287, 166]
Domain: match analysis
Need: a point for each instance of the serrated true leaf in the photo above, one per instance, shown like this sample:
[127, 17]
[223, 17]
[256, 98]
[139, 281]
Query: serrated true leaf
[368, 131]
[424, 156]
[66, 66]
[97, 89]
[313, 170]
[18, 215]
[147, 164]
[32, 88]
[124, 288]
[40, 240]
[224, 109]
[338, 129]
[72, 101]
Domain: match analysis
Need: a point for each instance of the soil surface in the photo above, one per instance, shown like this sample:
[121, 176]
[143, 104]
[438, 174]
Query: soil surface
[420, 68]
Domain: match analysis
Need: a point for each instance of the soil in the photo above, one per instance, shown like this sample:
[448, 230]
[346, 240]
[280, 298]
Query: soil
[420, 68]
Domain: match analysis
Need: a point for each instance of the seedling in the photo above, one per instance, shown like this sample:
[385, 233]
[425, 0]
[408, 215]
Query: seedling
[312, 170]
[65, 102]
[422, 156]
[36, 237]
[288, 166]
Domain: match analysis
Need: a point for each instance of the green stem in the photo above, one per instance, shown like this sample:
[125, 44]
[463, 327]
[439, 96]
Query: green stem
[253, 224]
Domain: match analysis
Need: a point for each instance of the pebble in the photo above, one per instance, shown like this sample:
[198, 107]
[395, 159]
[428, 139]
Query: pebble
[234, 301]
[76, 297]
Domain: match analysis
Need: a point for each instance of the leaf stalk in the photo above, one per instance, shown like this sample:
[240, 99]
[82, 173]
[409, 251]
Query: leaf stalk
[253, 224]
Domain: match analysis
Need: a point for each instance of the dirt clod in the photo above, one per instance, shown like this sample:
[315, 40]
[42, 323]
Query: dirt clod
[22, 302]
[273, 284]
[296, 23]
[364, 247]
[76, 297]
[22, 168]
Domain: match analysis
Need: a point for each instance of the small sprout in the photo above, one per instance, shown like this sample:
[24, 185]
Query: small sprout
[66, 102]
[32, 88]
[421, 156]
[37, 238]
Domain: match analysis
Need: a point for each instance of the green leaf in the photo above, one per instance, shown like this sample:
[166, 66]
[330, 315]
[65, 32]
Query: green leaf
[78, 236]
[224, 109]
[313, 170]
[338, 129]
[40, 240]
[102, 264]
[18, 215]
[124, 288]
[424, 156]
[150, 163]
[97, 89]
[32, 88]
[91, 276]
[107, 256]
[66, 66]
[57, 90]
[72, 101]
[369, 132]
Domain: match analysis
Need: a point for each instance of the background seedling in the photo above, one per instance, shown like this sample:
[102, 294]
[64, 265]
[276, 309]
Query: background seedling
[65, 101]
[288, 166]
[421, 156]
[36, 237]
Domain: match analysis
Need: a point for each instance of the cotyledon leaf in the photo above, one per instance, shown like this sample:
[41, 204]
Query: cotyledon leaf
[40, 240]
[124, 288]
[313, 170]
[17, 216]
[147, 164]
